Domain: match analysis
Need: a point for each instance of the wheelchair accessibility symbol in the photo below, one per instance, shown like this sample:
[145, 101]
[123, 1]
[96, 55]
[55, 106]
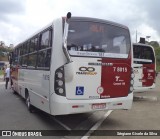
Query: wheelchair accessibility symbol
[79, 90]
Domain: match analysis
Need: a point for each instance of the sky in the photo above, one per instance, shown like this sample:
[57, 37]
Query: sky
[21, 18]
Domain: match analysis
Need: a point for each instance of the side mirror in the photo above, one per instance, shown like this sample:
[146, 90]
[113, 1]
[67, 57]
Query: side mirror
[69, 15]
[65, 35]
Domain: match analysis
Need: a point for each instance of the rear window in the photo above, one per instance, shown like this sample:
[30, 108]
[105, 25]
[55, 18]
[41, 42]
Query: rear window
[97, 40]
[143, 54]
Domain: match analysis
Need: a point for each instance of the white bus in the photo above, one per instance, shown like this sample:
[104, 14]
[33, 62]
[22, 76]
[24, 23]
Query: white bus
[144, 67]
[75, 65]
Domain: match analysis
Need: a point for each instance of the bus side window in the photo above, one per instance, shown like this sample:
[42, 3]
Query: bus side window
[33, 44]
[24, 61]
[20, 60]
[45, 39]
[32, 60]
[48, 58]
[21, 50]
[44, 54]
[26, 47]
[40, 59]
[44, 58]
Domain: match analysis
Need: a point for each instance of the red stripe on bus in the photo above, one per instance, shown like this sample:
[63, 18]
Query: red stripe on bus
[115, 79]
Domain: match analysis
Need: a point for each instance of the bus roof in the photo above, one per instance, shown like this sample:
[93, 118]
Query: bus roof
[98, 20]
[74, 19]
[34, 34]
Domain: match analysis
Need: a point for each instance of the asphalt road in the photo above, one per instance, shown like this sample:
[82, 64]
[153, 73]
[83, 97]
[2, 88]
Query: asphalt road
[14, 115]
[144, 115]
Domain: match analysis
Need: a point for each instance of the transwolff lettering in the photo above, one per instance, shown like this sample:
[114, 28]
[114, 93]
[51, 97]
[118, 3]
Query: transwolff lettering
[86, 73]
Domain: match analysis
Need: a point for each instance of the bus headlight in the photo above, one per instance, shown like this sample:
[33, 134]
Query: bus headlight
[59, 85]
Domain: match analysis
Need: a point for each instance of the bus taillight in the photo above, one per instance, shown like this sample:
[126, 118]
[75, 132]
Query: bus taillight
[132, 82]
[59, 82]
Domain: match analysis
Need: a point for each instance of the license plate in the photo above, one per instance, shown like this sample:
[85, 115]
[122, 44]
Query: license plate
[98, 106]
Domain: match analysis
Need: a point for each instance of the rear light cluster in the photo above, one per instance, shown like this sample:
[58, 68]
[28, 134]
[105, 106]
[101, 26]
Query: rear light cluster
[59, 82]
[132, 81]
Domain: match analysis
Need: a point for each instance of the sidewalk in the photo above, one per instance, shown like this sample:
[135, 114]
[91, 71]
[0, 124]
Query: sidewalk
[2, 83]
[1, 80]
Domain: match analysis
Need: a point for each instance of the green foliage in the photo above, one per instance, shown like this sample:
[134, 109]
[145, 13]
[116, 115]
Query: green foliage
[155, 44]
[1, 72]
[157, 53]
[158, 68]
[4, 53]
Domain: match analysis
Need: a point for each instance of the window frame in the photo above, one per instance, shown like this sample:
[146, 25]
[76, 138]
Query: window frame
[24, 50]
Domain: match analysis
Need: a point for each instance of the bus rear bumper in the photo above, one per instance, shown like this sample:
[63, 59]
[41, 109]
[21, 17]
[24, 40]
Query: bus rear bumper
[143, 89]
[63, 106]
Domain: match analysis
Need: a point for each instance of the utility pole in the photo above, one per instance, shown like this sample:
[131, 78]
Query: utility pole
[136, 36]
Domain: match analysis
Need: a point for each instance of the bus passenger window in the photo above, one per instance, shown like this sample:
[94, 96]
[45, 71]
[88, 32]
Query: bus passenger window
[44, 58]
[33, 45]
[26, 47]
[32, 60]
[22, 50]
[41, 59]
[20, 61]
[45, 39]
[48, 58]
[24, 61]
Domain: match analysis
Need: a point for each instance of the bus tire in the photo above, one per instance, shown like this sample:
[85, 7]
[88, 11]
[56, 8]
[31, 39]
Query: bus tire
[29, 105]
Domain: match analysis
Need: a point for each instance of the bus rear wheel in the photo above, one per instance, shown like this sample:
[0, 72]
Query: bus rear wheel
[29, 105]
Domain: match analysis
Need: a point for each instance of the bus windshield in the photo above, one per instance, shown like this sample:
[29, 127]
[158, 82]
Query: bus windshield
[95, 39]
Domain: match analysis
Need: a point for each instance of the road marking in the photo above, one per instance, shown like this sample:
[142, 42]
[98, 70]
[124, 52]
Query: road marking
[97, 125]
[88, 124]
[63, 125]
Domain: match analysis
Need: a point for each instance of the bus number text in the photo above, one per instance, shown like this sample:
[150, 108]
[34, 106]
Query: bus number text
[45, 77]
[120, 69]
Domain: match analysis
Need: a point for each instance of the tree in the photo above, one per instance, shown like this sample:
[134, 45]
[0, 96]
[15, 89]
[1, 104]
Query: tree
[2, 44]
[154, 43]
[4, 51]
[157, 53]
